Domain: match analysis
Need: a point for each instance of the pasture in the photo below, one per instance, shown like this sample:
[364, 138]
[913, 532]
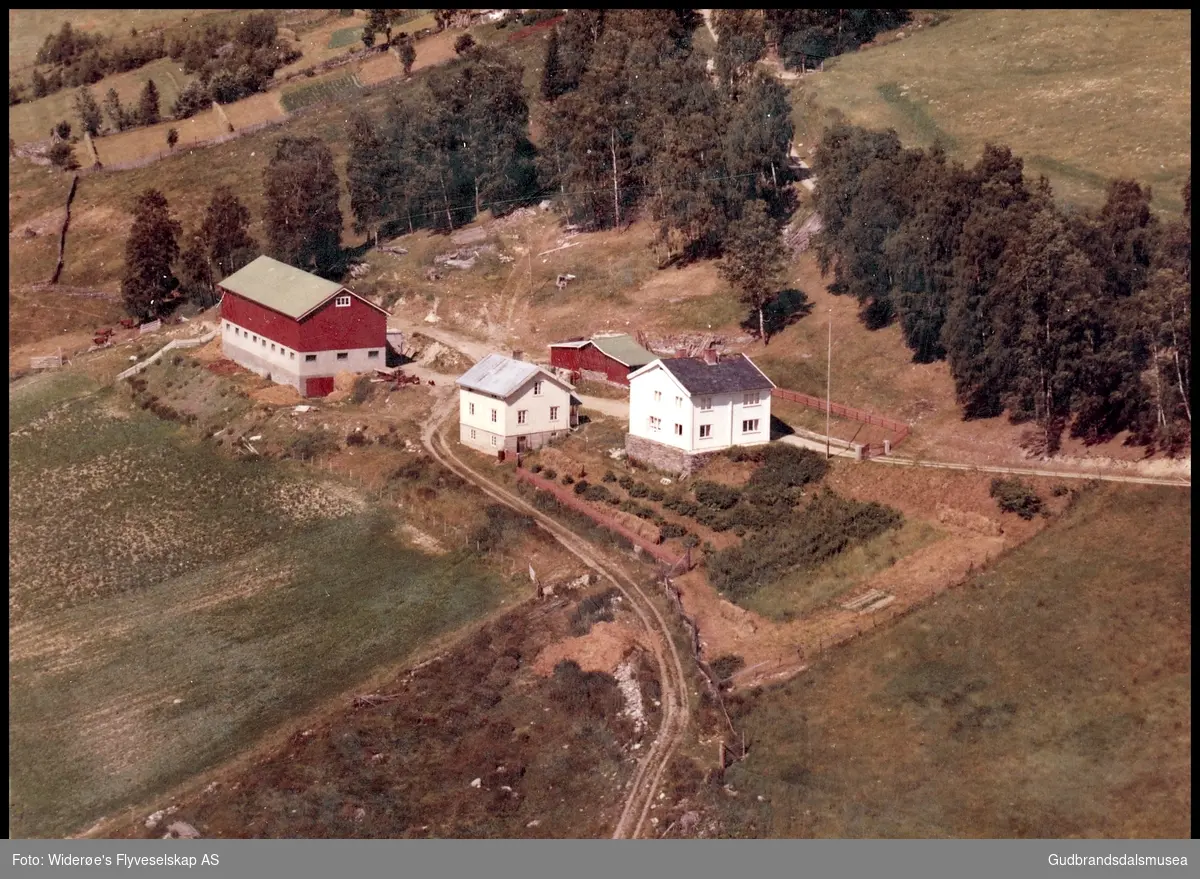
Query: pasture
[327, 38]
[169, 606]
[1057, 680]
[142, 143]
[33, 121]
[1082, 95]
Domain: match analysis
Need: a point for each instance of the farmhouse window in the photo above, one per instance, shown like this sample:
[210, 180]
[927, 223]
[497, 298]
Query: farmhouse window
[372, 353]
[705, 404]
[521, 413]
[554, 413]
[310, 358]
[678, 430]
[343, 302]
[655, 423]
[750, 425]
[658, 396]
[537, 389]
[493, 416]
[705, 431]
[342, 355]
[470, 408]
[679, 402]
[751, 399]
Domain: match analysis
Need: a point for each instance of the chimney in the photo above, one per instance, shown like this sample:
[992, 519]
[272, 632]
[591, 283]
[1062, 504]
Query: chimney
[518, 355]
[711, 356]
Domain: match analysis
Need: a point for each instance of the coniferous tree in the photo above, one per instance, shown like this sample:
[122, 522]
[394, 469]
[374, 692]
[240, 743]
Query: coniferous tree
[225, 234]
[88, 110]
[196, 279]
[301, 214]
[367, 176]
[148, 112]
[408, 55]
[150, 251]
[553, 83]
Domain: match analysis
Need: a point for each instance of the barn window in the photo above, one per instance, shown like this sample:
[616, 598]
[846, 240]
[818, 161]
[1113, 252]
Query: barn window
[470, 408]
[236, 331]
[272, 347]
[256, 338]
[751, 399]
[750, 425]
[521, 413]
[343, 302]
[554, 413]
[678, 430]
[493, 416]
[372, 353]
[537, 389]
[705, 404]
[310, 358]
[292, 354]
[342, 355]
[264, 342]
[705, 431]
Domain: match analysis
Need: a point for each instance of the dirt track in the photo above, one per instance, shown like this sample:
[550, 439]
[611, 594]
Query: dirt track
[671, 675]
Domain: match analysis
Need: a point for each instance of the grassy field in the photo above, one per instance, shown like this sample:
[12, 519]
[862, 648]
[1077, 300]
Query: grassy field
[140, 143]
[28, 28]
[33, 121]
[337, 86]
[317, 42]
[1082, 95]
[1057, 681]
[169, 605]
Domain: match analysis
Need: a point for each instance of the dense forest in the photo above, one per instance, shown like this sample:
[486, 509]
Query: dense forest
[1067, 319]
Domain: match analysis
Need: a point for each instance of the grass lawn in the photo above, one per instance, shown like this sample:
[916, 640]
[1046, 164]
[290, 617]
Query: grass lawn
[1049, 696]
[168, 605]
[1082, 95]
[33, 121]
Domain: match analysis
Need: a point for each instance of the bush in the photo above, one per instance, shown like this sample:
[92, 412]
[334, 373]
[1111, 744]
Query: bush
[608, 476]
[787, 466]
[503, 525]
[536, 468]
[712, 494]
[62, 155]
[725, 666]
[357, 438]
[638, 490]
[672, 529]
[738, 454]
[361, 390]
[550, 473]
[1060, 490]
[599, 493]
[626, 482]
[656, 493]
[1015, 496]
[593, 609]
[567, 479]
[310, 444]
[581, 486]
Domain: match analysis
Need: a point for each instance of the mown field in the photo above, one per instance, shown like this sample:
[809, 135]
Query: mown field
[33, 120]
[168, 605]
[1049, 696]
[1082, 95]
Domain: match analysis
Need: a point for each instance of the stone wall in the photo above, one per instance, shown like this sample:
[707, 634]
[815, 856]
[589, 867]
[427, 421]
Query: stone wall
[664, 457]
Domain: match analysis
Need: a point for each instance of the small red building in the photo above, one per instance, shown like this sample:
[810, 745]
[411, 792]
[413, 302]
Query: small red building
[607, 358]
[298, 329]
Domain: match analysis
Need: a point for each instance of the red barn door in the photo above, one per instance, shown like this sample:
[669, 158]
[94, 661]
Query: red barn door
[318, 386]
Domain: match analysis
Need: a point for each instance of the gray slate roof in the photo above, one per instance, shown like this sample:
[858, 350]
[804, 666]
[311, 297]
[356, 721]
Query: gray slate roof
[500, 376]
[280, 287]
[728, 376]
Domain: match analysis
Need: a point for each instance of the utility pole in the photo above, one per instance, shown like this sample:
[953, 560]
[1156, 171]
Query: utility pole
[612, 135]
[828, 381]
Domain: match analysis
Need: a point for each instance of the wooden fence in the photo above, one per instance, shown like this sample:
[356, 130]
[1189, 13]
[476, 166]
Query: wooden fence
[170, 346]
[62, 237]
[899, 429]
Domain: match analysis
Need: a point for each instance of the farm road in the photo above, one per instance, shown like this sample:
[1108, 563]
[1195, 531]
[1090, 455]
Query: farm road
[672, 679]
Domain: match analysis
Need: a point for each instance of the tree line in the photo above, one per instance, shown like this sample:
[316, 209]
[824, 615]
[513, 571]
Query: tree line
[1067, 319]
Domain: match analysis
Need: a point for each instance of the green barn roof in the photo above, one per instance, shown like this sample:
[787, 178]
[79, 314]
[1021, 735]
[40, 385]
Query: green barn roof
[280, 287]
[624, 350]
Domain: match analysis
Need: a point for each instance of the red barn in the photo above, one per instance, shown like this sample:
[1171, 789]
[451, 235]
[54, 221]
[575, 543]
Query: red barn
[607, 358]
[298, 329]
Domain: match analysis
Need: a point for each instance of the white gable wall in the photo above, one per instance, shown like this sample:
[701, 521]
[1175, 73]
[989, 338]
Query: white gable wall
[726, 416]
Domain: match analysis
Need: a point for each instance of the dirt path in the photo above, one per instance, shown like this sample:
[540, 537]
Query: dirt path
[1022, 471]
[673, 680]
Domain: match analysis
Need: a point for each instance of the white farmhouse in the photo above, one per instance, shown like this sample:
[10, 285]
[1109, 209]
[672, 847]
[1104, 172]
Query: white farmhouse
[683, 409]
[511, 405]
